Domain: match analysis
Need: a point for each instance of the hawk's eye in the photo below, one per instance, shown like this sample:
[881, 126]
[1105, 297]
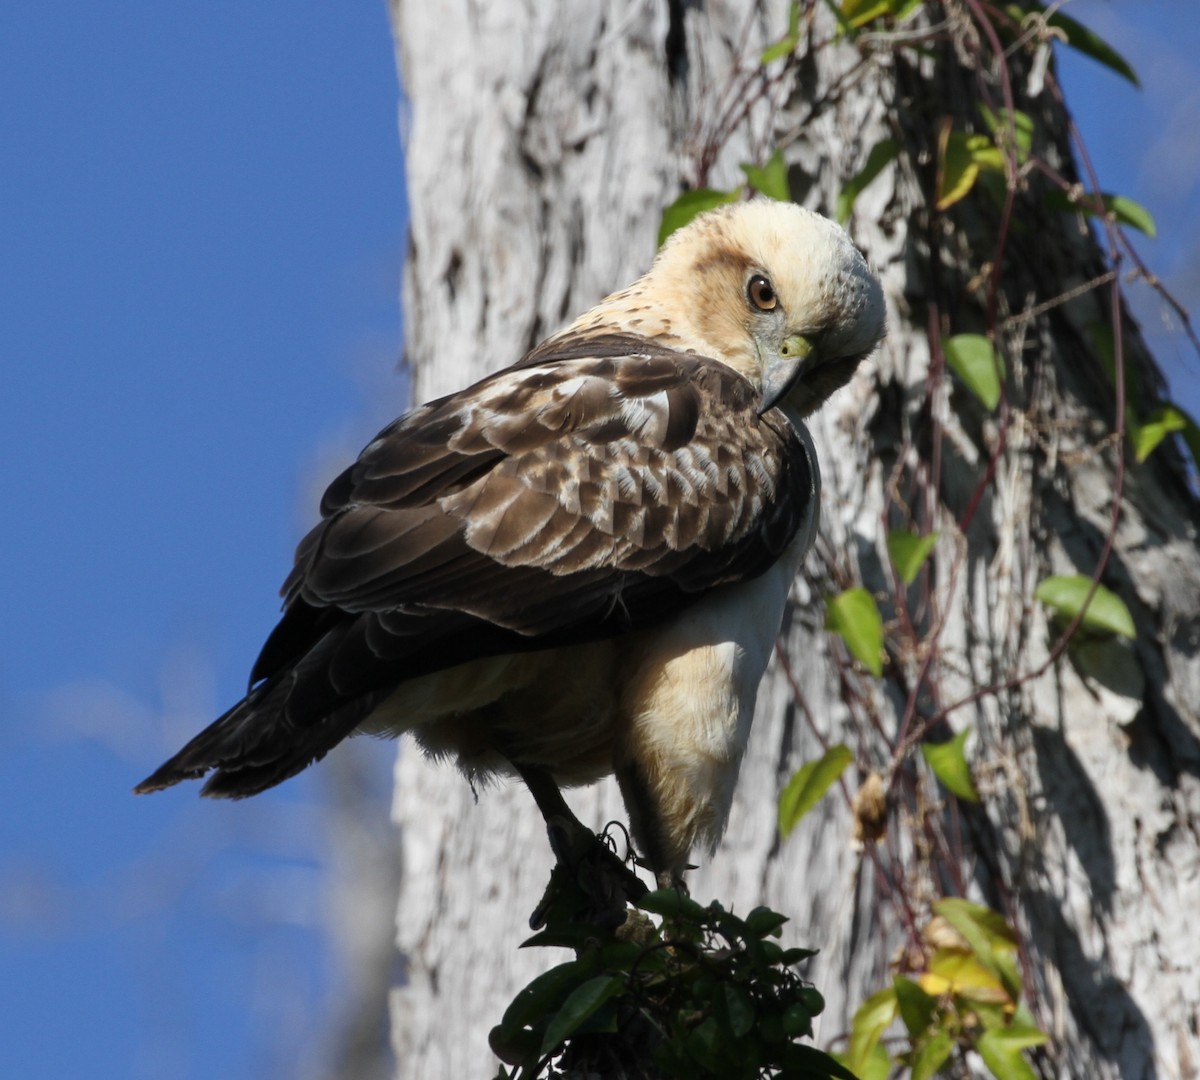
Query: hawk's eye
[761, 295]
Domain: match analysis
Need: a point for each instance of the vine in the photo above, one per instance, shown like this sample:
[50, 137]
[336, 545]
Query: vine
[704, 992]
[955, 988]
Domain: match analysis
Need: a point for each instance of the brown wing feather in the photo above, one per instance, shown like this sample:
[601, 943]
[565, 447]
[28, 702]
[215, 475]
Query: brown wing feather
[600, 486]
[573, 466]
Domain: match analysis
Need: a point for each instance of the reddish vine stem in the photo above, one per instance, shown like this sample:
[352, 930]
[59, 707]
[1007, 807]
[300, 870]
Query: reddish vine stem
[940, 839]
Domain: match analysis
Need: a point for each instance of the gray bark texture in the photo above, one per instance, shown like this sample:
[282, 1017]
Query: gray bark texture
[542, 142]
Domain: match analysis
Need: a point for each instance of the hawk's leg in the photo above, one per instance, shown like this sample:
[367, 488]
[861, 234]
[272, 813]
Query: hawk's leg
[590, 883]
[646, 820]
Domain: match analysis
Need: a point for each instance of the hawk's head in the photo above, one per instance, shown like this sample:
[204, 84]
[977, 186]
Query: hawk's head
[775, 291]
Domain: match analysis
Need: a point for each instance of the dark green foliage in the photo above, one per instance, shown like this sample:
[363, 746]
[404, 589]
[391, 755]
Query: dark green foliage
[703, 992]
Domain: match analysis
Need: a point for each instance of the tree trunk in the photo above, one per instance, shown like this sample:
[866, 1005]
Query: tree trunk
[542, 142]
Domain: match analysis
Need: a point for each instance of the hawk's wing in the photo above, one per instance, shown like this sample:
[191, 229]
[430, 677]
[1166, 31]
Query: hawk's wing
[598, 487]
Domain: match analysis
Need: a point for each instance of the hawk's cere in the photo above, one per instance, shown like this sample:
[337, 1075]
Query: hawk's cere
[578, 565]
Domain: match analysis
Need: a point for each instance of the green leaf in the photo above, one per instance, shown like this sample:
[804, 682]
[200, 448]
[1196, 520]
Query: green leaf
[882, 154]
[808, 784]
[702, 1041]
[582, 1003]
[908, 552]
[855, 617]
[772, 952]
[987, 155]
[532, 1003]
[672, 904]
[518, 1047]
[843, 26]
[1001, 1053]
[916, 1006]
[982, 927]
[948, 761]
[855, 14]
[1101, 335]
[808, 1063]
[786, 45]
[1024, 1036]
[740, 1010]
[878, 1065]
[873, 1017]
[1157, 426]
[965, 975]
[794, 18]
[813, 1000]
[797, 1021]
[990, 938]
[932, 1055]
[1128, 212]
[1122, 208]
[1106, 613]
[689, 205]
[958, 170]
[972, 358]
[1088, 42]
[860, 12]
[865, 11]
[626, 955]
[763, 922]
[1022, 127]
[771, 179]
[960, 157]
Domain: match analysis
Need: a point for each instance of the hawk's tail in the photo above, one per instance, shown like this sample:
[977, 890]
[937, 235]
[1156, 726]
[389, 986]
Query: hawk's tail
[255, 745]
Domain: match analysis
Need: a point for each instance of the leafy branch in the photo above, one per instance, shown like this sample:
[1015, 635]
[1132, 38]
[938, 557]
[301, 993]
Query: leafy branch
[699, 992]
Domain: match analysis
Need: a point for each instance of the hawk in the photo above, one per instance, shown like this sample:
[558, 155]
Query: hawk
[578, 565]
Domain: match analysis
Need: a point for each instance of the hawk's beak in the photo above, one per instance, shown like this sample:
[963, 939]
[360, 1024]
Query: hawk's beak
[784, 369]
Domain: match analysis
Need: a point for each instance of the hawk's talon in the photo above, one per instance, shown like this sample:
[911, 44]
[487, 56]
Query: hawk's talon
[590, 882]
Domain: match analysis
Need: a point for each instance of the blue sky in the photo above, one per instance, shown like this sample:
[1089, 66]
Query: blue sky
[202, 238]
[1145, 144]
[203, 234]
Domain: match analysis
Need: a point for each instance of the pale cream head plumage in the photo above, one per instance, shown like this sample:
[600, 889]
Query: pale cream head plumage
[822, 313]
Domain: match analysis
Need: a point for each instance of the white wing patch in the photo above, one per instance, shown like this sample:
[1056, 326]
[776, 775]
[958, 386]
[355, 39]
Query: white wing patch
[647, 417]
